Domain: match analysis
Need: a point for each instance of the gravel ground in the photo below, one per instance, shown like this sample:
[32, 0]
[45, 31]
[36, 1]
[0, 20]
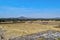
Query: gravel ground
[47, 35]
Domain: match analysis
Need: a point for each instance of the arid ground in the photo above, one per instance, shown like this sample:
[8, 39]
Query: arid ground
[20, 29]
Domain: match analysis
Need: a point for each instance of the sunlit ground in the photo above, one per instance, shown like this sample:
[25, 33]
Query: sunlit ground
[19, 29]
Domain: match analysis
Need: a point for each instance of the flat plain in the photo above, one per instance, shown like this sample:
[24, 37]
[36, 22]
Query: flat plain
[20, 29]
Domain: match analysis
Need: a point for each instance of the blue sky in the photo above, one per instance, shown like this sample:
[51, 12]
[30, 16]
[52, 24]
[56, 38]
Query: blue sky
[30, 8]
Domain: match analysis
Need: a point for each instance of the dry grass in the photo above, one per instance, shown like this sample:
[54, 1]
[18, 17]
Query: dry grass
[20, 29]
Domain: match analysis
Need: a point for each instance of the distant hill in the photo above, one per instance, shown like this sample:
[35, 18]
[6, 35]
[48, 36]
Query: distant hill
[22, 17]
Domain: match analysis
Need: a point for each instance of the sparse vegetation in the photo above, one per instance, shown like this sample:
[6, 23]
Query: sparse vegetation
[58, 26]
[24, 27]
[58, 38]
[40, 39]
[2, 34]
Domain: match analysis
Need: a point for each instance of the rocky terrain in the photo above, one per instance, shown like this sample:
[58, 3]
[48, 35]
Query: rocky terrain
[47, 35]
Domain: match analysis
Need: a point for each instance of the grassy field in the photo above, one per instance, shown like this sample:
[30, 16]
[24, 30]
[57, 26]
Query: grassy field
[19, 29]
